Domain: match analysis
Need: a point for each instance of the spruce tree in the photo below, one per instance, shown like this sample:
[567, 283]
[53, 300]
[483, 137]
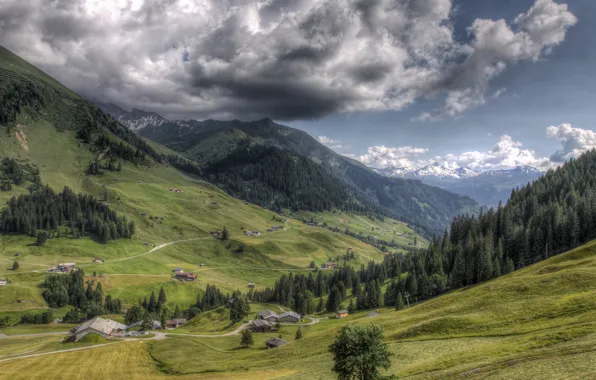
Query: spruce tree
[399, 305]
[246, 339]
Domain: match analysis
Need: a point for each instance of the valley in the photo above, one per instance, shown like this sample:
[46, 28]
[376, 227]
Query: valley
[184, 232]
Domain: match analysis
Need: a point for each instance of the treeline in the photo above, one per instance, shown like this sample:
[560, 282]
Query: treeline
[277, 178]
[554, 214]
[87, 302]
[183, 164]
[17, 92]
[48, 210]
[42, 318]
[16, 172]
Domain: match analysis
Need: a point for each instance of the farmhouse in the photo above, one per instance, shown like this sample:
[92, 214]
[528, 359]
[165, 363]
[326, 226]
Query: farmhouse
[252, 233]
[173, 323]
[289, 316]
[341, 314]
[251, 285]
[185, 276]
[99, 326]
[62, 267]
[261, 325]
[329, 265]
[268, 315]
[275, 342]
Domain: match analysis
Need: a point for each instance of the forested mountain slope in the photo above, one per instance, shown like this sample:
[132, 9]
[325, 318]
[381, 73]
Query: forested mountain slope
[218, 146]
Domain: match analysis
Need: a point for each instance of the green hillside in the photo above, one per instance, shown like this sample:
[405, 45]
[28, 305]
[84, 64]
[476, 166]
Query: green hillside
[247, 157]
[535, 323]
[51, 142]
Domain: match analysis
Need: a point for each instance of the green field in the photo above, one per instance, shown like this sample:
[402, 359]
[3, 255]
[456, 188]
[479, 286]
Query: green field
[386, 229]
[539, 322]
[131, 269]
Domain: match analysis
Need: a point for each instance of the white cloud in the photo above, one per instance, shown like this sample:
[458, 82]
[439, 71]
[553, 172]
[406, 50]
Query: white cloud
[574, 141]
[497, 45]
[382, 156]
[507, 153]
[331, 143]
[289, 59]
[498, 93]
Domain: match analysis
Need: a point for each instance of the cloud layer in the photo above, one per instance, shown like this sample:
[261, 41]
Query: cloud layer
[288, 59]
[505, 154]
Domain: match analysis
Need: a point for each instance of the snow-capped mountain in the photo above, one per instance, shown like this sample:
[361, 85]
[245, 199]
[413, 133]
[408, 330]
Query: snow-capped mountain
[487, 188]
[434, 170]
[137, 120]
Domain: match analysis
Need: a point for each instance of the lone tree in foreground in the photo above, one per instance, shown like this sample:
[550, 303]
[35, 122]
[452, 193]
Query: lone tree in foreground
[359, 352]
[246, 339]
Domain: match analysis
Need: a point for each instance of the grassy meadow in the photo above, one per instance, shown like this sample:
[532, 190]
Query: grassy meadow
[539, 322]
[132, 269]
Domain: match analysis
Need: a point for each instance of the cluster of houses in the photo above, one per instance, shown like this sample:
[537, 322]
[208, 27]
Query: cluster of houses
[275, 228]
[176, 190]
[252, 233]
[179, 274]
[267, 319]
[107, 328]
[62, 268]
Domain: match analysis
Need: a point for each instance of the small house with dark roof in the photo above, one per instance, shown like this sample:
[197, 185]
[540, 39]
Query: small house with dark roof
[173, 323]
[275, 342]
[261, 325]
[289, 316]
[268, 315]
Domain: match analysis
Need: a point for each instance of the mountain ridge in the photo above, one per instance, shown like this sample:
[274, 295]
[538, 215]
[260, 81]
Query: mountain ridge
[488, 188]
[211, 142]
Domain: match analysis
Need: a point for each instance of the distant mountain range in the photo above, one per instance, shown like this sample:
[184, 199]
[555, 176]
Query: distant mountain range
[486, 188]
[280, 167]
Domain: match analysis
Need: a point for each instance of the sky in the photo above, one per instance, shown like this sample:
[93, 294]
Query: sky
[484, 84]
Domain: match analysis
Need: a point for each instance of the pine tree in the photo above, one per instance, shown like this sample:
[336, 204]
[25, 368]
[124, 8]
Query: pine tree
[299, 333]
[162, 296]
[399, 305]
[319, 305]
[246, 339]
[163, 321]
[152, 305]
[351, 307]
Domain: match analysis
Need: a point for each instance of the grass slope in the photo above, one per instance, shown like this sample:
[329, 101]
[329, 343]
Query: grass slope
[142, 194]
[539, 322]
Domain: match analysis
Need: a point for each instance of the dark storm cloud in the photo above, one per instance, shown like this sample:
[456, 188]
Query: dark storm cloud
[288, 59]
